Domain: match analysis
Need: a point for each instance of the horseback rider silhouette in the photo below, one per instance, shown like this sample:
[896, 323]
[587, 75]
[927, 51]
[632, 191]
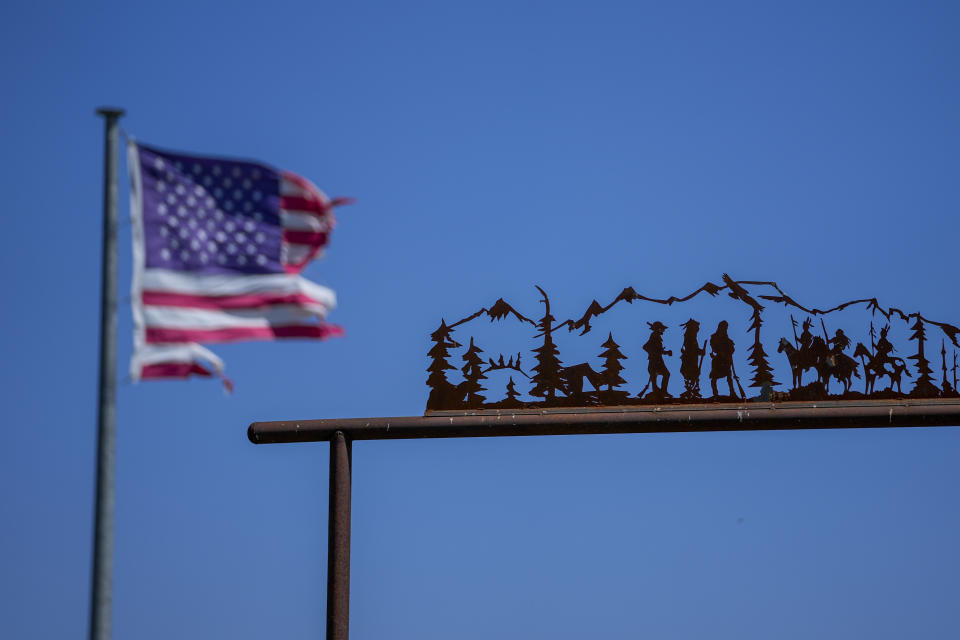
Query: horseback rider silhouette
[655, 353]
[884, 347]
[691, 359]
[832, 361]
[806, 337]
[839, 343]
[721, 354]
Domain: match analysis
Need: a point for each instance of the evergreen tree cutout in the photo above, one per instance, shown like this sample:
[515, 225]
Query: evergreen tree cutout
[546, 378]
[441, 390]
[946, 390]
[512, 395]
[762, 371]
[472, 375]
[924, 386]
[610, 373]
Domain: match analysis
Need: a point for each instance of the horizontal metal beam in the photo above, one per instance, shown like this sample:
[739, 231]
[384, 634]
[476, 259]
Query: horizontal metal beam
[749, 416]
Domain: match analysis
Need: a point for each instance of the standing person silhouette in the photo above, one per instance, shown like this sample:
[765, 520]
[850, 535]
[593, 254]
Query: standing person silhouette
[655, 352]
[690, 359]
[721, 358]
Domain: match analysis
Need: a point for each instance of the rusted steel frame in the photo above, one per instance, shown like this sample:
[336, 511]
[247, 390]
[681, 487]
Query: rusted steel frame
[338, 538]
[662, 419]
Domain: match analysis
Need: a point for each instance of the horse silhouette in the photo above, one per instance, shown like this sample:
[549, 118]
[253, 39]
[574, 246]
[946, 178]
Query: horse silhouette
[873, 368]
[800, 360]
[840, 366]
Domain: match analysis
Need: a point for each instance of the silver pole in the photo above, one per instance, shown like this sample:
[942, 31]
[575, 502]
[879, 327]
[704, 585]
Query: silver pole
[102, 583]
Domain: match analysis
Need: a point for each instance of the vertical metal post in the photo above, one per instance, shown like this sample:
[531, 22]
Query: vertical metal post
[102, 582]
[338, 539]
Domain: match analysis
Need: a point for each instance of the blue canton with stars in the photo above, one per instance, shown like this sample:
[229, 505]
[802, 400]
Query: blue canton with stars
[209, 215]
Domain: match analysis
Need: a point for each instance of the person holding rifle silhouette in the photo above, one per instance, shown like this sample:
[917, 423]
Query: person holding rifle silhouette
[721, 358]
[691, 359]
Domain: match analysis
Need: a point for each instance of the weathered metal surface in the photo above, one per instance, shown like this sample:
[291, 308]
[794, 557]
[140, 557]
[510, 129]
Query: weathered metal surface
[551, 383]
[659, 419]
[338, 538]
[101, 592]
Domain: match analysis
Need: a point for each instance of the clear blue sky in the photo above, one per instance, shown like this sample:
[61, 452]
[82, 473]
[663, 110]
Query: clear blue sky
[491, 146]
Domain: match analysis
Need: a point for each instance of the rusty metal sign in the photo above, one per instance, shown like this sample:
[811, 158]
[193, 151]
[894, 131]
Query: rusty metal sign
[667, 370]
[852, 351]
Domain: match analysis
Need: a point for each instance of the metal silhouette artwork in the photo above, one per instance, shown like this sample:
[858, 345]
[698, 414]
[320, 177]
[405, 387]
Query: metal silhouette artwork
[821, 365]
[691, 360]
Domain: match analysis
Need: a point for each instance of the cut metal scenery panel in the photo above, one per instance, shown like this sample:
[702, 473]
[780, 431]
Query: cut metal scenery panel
[813, 361]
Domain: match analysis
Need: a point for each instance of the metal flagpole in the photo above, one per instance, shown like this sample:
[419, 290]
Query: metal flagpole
[101, 592]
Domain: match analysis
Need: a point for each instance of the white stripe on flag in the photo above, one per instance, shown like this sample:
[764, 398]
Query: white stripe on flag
[176, 361]
[300, 221]
[235, 285]
[179, 318]
[160, 353]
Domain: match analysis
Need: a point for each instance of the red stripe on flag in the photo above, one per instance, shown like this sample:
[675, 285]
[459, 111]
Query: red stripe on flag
[295, 203]
[236, 334]
[173, 370]
[312, 238]
[166, 370]
[247, 301]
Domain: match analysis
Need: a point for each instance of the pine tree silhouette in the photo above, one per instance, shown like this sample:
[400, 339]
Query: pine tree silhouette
[472, 375]
[945, 388]
[762, 371]
[610, 374]
[441, 390]
[512, 395]
[924, 386]
[546, 378]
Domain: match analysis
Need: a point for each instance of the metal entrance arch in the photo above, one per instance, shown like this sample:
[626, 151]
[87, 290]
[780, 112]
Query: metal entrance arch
[747, 416]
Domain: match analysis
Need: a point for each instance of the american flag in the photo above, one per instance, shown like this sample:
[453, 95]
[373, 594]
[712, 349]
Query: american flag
[218, 248]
